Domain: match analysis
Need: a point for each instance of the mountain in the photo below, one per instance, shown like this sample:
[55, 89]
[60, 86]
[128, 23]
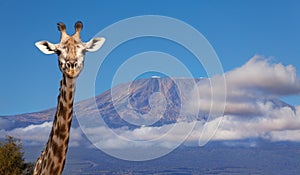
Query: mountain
[152, 102]
[23, 120]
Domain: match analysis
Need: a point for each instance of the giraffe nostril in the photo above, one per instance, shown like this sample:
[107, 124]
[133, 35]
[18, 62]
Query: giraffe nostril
[71, 65]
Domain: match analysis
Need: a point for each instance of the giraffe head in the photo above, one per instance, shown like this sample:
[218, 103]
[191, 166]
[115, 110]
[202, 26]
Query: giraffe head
[70, 50]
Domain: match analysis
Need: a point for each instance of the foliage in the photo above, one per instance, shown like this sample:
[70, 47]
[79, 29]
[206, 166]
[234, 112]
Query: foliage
[28, 168]
[11, 157]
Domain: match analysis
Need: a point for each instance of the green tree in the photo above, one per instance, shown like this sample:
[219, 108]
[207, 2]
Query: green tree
[28, 168]
[11, 156]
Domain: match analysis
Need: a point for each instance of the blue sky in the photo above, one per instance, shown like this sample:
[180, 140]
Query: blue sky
[237, 30]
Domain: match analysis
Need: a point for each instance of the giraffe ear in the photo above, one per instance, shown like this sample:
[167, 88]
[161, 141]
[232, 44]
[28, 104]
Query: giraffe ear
[94, 44]
[46, 47]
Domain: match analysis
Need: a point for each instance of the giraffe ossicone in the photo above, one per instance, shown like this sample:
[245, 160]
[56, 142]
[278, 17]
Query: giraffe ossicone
[70, 51]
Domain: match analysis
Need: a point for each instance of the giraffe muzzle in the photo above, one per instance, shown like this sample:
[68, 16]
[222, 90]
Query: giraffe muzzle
[72, 68]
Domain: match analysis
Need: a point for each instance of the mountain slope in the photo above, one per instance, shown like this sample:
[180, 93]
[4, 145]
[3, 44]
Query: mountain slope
[150, 102]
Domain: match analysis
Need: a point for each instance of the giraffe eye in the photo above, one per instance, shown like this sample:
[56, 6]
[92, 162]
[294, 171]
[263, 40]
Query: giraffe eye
[61, 63]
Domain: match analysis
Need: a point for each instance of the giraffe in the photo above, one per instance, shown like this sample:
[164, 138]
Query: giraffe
[71, 51]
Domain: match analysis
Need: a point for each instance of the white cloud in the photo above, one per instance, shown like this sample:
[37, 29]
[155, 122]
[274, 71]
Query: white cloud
[34, 134]
[276, 121]
[259, 75]
[38, 134]
[256, 82]
[277, 125]
[288, 135]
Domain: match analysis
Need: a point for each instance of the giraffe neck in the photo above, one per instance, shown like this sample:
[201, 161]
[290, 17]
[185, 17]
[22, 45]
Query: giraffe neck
[53, 157]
